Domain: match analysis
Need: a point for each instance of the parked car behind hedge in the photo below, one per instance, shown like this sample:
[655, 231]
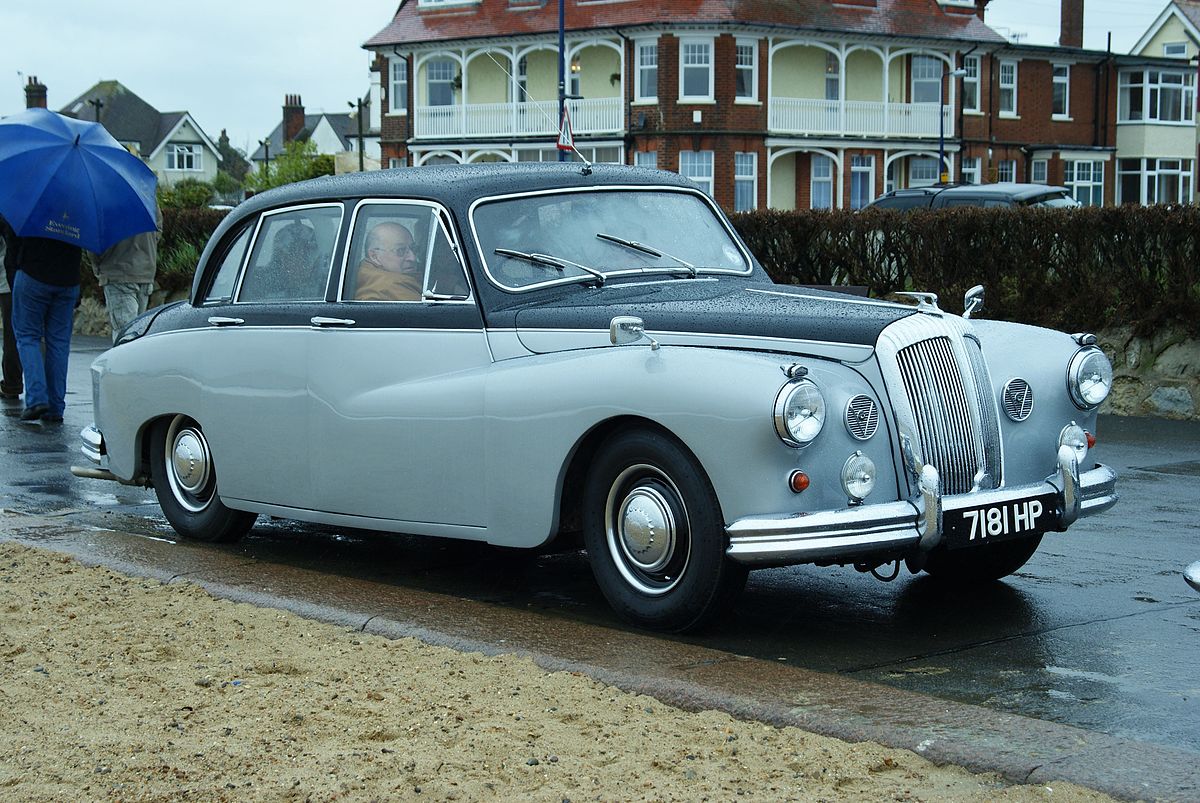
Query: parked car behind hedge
[1004, 194]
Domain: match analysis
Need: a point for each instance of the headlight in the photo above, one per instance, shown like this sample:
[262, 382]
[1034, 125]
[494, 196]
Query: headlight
[799, 412]
[1073, 436]
[858, 476]
[1089, 378]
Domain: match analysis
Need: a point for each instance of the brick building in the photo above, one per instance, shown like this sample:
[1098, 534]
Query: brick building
[779, 103]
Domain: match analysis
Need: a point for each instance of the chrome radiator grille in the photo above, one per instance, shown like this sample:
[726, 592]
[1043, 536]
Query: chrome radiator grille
[955, 416]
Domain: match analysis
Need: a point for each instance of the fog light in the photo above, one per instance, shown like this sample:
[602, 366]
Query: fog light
[1073, 436]
[798, 481]
[858, 477]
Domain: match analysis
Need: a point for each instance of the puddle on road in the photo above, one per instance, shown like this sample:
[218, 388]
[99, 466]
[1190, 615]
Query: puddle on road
[1189, 468]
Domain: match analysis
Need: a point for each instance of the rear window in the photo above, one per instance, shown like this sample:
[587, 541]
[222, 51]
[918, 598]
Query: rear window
[1060, 199]
[903, 202]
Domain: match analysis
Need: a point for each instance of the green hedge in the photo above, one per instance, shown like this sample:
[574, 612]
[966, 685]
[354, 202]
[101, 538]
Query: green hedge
[1071, 269]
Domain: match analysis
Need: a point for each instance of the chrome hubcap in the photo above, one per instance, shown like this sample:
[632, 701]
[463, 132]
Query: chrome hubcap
[190, 461]
[647, 529]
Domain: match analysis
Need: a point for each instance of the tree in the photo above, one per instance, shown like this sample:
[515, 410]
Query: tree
[233, 160]
[298, 162]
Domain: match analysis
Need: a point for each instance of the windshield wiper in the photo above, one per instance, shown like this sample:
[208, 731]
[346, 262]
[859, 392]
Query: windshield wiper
[645, 249]
[549, 261]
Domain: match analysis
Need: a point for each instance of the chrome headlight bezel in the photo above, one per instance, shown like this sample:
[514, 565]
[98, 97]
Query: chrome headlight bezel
[805, 394]
[1082, 375]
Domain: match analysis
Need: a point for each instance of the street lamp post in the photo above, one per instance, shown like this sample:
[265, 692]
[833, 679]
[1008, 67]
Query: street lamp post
[943, 173]
[360, 103]
[266, 144]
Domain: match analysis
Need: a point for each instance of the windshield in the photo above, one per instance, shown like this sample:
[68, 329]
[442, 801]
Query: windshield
[1056, 199]
[534, 240]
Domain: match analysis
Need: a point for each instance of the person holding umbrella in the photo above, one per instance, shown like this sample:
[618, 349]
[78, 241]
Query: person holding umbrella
[65, 185]
[10, 379]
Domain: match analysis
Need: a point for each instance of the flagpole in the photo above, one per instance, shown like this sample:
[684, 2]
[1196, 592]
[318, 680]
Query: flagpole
[562, 72]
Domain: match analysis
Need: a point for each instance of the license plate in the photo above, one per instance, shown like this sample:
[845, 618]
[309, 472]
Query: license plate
[1020, 518]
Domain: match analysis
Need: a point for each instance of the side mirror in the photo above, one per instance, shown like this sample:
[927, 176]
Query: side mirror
[1192, 575]
[972, 300]
[626, 329]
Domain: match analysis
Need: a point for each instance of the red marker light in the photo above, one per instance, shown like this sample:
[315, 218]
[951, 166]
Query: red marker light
[798, 481]
[1091, 439]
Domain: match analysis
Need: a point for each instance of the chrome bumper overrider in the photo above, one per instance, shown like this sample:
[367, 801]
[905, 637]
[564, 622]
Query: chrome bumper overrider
[907, 525]
[93, 450]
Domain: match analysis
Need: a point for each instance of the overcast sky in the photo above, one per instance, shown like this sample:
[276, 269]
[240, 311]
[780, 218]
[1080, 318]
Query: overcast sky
[230, 62]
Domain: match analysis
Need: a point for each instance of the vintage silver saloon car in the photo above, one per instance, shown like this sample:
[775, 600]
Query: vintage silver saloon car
[512, 353]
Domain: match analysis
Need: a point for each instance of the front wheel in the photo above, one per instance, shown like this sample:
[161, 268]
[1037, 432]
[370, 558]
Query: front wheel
[654, 534]
[981, 563]
[185, 482]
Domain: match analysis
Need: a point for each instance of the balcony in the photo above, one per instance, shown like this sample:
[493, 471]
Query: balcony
[525, 119]
[857, 118]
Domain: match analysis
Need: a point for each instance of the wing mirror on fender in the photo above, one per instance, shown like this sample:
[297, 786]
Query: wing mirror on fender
[626, 329]
[972, 300]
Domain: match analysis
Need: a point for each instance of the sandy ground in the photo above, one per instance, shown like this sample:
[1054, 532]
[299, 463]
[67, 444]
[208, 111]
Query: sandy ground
[121, 688]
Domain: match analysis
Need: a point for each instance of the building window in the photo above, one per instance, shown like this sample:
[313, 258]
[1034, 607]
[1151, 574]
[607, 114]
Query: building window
[1175, 49]
[1037, 171]
[646, 76]
[1008, 87]
[922, 171]
[1085, 179]
[747, 69]
[439, 82]
[396, 162]
[522, 80]
[745, 182]
[833, 77]
[926, 79]
[1006, 170]
[184, 157]
[862, 181]
[698, 166]
[970, 170]
[398, 89]
[646, 159]
[1156, 96]
[695, 70]
[1154, 181]
[1060, 101]
[970, 84]
[821, 192]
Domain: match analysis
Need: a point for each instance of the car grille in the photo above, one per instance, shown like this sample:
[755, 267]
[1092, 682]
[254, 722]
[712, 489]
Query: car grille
[952, 410]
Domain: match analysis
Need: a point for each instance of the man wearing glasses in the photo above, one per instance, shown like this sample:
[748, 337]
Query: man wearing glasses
[390, 271]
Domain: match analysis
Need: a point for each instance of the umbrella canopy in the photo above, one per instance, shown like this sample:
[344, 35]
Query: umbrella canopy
[69, 180]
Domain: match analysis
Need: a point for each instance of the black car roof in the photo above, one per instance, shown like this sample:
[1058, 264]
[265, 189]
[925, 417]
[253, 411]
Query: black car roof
[1007, 190]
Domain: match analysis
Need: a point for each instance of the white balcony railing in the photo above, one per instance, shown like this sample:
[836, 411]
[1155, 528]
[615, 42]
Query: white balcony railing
[857, 117]
[531, 118]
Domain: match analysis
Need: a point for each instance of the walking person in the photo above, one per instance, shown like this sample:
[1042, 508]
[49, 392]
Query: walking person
[45, 290]
[126, 274]
[10, 379]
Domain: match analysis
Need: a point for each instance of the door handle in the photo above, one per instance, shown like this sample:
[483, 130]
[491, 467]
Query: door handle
[323, 322]
[219, 320]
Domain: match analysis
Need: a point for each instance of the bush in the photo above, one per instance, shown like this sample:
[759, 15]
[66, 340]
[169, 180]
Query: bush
[190, 193]
[1067, 269]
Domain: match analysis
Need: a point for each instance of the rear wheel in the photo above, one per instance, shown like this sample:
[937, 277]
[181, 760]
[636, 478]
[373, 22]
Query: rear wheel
[185, 482]
[654, 534]
[981, 563]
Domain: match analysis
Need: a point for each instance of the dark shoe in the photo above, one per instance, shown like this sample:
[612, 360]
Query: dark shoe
[35, 412]
[10, 395]
[51, 418]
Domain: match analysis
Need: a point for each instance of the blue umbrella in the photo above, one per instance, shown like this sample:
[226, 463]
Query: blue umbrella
[69, 180]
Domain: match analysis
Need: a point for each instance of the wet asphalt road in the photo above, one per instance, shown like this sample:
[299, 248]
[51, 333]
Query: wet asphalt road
[1099, 630]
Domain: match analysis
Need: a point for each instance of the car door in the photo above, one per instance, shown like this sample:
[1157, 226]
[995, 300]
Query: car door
[252, 371]
[396, 376]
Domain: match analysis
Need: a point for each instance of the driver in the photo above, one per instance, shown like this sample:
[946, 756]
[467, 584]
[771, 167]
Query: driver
[390, 271]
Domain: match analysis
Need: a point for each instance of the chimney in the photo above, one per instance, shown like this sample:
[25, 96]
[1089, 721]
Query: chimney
[1071, 33]
[35, 94]
[293, 117]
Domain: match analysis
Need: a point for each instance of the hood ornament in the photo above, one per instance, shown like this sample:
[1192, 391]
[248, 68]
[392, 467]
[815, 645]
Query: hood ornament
[926, 302]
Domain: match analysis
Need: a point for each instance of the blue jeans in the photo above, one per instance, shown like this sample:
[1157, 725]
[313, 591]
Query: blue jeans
[43, 313]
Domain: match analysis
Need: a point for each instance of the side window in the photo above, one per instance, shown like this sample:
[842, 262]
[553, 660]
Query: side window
[221, 290]
[292, 255]
[402, 252]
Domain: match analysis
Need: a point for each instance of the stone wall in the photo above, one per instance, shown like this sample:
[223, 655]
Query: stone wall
[1158, 375]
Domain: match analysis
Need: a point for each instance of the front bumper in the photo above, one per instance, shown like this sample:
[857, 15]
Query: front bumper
[910, 525]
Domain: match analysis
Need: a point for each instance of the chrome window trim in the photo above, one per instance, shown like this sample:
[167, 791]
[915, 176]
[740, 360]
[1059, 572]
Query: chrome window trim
[254, 241]
[712, 205]
[250, 232]
[451, 235]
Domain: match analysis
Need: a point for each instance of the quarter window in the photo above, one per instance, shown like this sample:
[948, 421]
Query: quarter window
[292, 255]
[695, 74]
[745, 182]
[226, 277]
[1008, 87]
[698, 166]
[647, 71]
[184, 157]
[747, 69]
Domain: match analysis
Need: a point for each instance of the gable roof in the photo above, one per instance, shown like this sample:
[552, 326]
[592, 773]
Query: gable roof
[343, 125]
[130, 119]
[923, 19]
[1186, 11]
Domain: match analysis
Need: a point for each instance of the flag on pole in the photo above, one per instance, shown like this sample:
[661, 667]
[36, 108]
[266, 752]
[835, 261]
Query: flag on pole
[566, 140]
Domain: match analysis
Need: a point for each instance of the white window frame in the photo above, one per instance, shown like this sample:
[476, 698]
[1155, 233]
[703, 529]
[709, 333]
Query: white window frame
[924, 75]
[973, 67]
[859, 165]
[971, 170]
[1149, 84]
[741, 69]
[1008, 86]
[745, 175]
[833, 77]
[698, 166]
[687, 50]
[1179, 48]
[1090, 184]
[1064, 80]
[185, 158]
[1006, 170]
[398, 86]
[397, 162]
[424, 3]
[646, 159]
[1038, 171]
[916, 180]
[646, 56]
[430, 80]
[815, 179]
